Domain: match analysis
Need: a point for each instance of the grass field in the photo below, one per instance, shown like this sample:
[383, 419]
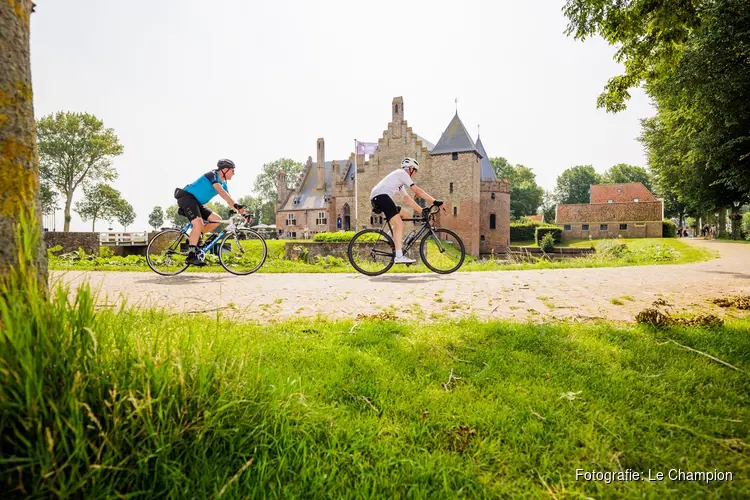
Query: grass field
[103, 404]
[639, 252]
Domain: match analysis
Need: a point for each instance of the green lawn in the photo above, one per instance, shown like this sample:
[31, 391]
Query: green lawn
[640, 252]
[121, 403]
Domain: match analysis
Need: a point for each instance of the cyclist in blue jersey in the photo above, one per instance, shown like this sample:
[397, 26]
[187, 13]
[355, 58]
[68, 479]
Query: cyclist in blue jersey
[192, 199]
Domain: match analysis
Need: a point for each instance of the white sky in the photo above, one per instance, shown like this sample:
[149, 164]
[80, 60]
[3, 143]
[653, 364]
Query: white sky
[185, 82]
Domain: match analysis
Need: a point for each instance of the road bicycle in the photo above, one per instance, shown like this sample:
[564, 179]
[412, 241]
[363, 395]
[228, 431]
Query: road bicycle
[372, 251]
[239, 249]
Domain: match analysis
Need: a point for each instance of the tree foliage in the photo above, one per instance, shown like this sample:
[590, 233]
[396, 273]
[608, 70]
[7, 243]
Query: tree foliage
[49, 198]
[100, 202]
[266, 182]
[174, 218]
[649, 36]
[574, 184]
[124, 213]
[75, 149]
[622, 173]
[526, 194]
[156, 218]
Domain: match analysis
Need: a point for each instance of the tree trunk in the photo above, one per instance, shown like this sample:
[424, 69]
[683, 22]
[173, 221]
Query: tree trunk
[723, 221]
[19, 163]
[93, 225]
[68, 203]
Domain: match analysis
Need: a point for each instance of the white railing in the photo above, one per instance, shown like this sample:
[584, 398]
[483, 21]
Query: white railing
[123, 239]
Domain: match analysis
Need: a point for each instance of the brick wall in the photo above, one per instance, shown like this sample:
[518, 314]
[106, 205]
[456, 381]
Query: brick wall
[634, 229]
[72, 241]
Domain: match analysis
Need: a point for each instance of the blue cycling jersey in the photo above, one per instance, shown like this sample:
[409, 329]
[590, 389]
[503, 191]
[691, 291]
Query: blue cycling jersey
[203, 189]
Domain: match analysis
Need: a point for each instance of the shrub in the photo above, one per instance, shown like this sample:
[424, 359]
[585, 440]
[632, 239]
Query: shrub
[668, 229]
[612, 249]
[52, 251]
[341, 236]
[523, 231]
[105, 252]
[548, 242]
[555, 231]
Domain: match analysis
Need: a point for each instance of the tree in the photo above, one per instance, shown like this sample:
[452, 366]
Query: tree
[622, 173]
[124, 213]
[174, 218]
[75, 149]
[549, 207]
[262, 212]
[156, 218]
[19, 169]
[100, 202]
[526, 194]
[267, 180]
[574, 184]
[649, 36]
[48, 197]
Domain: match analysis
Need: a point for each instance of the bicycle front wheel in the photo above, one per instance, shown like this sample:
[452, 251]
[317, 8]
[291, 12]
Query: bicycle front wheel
[242, 252]
[371, 252]
[442, 251]
[167, 251]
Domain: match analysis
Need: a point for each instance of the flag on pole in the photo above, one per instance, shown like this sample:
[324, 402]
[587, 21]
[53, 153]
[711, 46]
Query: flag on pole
[366, 148]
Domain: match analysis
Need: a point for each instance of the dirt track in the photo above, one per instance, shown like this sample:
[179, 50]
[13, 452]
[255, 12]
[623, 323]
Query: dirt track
[536, 295]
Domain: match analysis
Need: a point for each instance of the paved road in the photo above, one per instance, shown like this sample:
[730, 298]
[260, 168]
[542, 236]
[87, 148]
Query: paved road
[535, 295]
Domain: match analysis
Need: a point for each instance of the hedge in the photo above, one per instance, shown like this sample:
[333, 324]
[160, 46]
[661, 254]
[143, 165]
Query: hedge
[668, 229]
[525, 231]
[556, 233]
[340, 236]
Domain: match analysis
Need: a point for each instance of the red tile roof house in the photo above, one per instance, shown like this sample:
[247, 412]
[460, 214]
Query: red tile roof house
[616, 210]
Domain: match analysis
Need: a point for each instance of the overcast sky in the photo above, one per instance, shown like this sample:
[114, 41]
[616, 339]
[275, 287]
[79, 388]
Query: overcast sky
[185, 82]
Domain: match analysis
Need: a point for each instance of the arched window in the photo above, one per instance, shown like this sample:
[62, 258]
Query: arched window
[492, 221]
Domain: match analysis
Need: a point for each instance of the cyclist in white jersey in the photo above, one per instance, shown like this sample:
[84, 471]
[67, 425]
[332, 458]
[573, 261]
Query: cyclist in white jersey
[382, 196]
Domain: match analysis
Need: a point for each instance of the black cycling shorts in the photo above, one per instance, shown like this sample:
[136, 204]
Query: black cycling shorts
[385, 204]
[191, 208]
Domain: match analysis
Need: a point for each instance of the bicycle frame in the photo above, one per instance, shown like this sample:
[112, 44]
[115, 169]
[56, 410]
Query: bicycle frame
[426, 227]
[229, 229]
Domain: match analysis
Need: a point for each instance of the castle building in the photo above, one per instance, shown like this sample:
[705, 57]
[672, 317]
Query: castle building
[456, 170]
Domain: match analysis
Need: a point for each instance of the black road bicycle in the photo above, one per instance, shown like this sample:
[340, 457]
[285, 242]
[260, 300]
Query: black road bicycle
[372, 251]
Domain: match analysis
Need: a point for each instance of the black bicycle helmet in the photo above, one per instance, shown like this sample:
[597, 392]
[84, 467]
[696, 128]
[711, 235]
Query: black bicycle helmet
[224, 163]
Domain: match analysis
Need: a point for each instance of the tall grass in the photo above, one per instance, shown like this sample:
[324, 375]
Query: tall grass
[147, 404]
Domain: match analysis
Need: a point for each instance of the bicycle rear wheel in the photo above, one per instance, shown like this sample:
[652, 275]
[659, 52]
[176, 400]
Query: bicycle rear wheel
[371, 252]
[242, 252]
[442, 251]
[167, 251]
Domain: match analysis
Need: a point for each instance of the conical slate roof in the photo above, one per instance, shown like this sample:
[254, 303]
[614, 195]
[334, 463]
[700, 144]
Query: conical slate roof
[488, 174]
[455, 139]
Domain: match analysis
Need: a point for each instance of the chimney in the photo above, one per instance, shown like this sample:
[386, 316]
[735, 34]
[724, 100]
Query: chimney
[397, 117]
[320, 171]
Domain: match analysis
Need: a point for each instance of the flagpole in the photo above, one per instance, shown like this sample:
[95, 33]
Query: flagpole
[356, 181]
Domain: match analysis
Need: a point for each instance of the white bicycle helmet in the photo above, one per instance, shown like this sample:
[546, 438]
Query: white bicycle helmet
[409, 163]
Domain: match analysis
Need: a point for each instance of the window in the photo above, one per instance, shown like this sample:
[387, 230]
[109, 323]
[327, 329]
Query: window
[635, 200]
[623, 227]
[492, 221]
[293, 235]
[371, 220]
[454, 156]
[585, 227]
[381, 219]
[566, 227]
[493, 196]
[455, 211]
[290, 220]
[609, 201]
[481, 237]
[321, 220]
[603, 227]
[619, 190]
[451, 187]
[396, 108]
